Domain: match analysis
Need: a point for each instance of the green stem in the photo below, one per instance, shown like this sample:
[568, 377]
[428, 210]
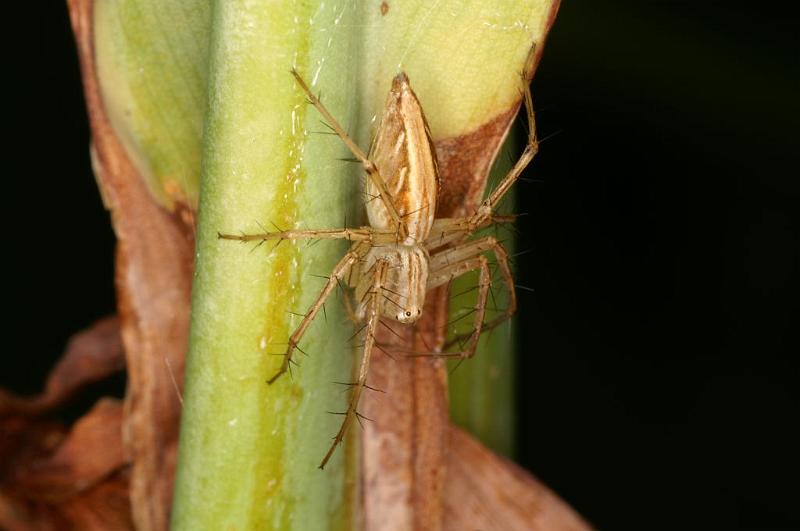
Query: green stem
[249, 450]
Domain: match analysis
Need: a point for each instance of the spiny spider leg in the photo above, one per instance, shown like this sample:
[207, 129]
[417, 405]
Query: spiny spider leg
[450, 231]
[363, 234]
[490, 203]
[339, 271]
[373, 315]
[484, 282]
[368, 165]
[446, 265]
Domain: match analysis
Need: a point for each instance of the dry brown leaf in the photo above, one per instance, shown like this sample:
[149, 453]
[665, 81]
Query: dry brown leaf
[58, 480]
[486, 492]
[91, 356]
[73, 467]
[100, 508]
[46, 472]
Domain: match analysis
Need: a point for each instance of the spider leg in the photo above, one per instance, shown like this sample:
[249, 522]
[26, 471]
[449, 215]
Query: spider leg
[454, 262]
[362, 234]
[373, 315]
[338, 272]
[447, 232]
[488, 205]
[485, 281]
[368, 165]
[347, 300]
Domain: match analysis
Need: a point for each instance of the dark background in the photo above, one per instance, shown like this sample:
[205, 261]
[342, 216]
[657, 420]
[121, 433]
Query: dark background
[658, 375]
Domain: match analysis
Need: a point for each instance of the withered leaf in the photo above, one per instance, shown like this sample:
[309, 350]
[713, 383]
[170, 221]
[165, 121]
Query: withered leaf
[91, 356]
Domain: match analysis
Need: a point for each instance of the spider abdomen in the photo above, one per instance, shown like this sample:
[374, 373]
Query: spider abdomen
[404, 156]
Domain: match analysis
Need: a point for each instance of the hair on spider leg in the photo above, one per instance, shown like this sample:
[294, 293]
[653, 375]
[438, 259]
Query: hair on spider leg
[526, 288]
[380, 347]
[550, 136]
[327, 133]
[277, 228]
[277, 243]
[257, 245]
[456, 366]
[509, 227]
[394, 333]
[530, 180]
[289, 367]
[420, 209]
[353, 384]
[467, 314]
[346, 389]
[491, 296]
[339, 284]
[326, 124]
[386, 297]
[459, 294]
[356, 333]
[384, 288]
[371, 198]
[359, 416]
[301, 351]
[521, 253]
[366, 294]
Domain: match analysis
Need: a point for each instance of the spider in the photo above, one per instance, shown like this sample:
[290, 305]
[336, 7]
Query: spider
[405, 251]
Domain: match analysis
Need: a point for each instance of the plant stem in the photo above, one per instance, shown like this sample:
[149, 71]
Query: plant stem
[249, 450]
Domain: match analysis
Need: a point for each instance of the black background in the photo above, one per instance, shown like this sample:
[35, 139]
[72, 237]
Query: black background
[658, 372]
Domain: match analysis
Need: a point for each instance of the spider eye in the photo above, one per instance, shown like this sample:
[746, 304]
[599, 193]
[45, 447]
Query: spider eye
[408, 314]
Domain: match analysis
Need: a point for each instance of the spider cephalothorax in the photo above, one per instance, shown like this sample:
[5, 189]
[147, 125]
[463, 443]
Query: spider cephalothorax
[405, 251]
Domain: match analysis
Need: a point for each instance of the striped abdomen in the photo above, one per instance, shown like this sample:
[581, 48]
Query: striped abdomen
[403, 153]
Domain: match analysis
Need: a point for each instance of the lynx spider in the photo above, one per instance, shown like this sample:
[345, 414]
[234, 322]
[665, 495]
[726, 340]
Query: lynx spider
[405, 251]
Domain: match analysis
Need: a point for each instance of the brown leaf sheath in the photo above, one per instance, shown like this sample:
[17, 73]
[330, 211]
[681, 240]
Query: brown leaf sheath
[485, 491]
[153, 278]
